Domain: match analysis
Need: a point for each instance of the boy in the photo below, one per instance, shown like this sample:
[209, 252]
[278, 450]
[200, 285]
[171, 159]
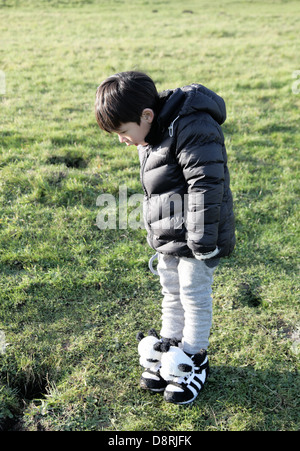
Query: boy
[188, 211]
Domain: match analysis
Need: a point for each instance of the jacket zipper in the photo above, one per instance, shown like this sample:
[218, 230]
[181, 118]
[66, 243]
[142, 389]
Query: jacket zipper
[171, 128]
[142, 172]
[171, 132]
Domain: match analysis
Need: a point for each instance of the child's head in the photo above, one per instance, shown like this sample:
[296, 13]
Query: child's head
[126, 104]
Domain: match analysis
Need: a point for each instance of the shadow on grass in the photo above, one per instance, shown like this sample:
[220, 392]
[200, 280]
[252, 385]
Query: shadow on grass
[234, 398]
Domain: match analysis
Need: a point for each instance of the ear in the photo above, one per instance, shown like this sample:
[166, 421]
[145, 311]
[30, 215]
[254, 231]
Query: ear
[148, 115]
[161, 346]
[140, 336]
[153, 333]
[157, 346]
[165, 346]
[185, 367]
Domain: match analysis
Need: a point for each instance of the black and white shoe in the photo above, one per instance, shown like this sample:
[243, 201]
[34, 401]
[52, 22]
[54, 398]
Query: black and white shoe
[186, 389]
[152, 380]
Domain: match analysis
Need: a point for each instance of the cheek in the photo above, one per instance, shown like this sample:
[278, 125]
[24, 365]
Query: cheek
[143, 132]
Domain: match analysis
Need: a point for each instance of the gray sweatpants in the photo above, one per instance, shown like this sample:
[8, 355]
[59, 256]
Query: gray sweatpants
[187, 303]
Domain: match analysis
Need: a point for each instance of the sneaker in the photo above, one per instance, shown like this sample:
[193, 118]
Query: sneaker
[186, 389]
[150, 351]
[152, 380]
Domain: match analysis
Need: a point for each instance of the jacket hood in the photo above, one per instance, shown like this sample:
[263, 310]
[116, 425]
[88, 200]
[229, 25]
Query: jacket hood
[188, 100]
[181, 102]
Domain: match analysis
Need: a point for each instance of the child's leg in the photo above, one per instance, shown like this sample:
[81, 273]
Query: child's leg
[195, 279]
[172, 311]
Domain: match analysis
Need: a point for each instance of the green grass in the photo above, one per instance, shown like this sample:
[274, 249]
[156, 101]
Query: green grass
[72, 297]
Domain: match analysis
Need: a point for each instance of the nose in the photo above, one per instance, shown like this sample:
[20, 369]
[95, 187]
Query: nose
[122, 139]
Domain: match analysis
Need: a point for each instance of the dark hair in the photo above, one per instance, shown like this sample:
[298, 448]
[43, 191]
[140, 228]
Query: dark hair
[122, 98]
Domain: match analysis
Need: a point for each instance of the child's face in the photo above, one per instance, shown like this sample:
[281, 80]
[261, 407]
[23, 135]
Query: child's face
[133, 134]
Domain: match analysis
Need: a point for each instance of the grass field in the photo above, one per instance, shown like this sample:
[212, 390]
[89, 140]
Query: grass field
[72, 296]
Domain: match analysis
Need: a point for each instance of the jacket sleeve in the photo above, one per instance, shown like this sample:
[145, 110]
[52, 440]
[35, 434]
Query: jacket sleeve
[199, 151]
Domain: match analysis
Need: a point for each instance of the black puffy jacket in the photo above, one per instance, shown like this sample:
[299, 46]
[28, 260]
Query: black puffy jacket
[188, 203]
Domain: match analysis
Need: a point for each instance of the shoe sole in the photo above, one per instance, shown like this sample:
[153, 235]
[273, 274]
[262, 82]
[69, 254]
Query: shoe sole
[183, 402]
[157, 390]
[154, 390]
